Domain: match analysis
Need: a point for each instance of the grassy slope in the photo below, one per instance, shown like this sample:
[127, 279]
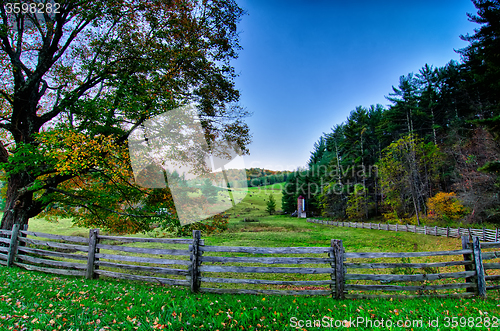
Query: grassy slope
[255, 202]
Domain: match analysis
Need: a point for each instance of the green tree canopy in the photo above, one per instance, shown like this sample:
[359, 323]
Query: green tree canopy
[408, 170]
[481, 60]
[74, 84]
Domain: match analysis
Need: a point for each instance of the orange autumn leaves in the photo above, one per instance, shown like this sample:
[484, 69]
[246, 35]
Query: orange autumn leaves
[97, 169]
[445, 206]
[76, 152]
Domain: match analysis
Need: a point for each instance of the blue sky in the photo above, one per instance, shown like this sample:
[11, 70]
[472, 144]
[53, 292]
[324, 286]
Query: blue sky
[306, 64]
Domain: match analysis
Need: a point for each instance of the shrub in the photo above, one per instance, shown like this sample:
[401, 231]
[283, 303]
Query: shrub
[445, 206]
[215, 224]
[358, 203]
[250, 220]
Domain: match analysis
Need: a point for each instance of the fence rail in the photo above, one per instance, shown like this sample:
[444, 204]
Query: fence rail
[325, 270]
[483, 234]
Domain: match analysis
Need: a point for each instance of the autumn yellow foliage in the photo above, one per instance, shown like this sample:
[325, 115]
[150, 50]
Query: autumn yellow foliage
[445, 206]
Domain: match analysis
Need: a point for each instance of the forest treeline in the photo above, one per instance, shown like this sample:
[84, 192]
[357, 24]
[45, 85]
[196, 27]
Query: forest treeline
[254, 177]
[262, 177]
[431, 154]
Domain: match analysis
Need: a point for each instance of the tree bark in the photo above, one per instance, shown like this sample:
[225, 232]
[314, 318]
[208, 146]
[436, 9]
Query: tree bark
[18, 205]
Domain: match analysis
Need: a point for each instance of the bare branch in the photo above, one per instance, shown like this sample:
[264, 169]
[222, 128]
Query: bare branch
[6, 127]
[44, 88]
[4, 154]
[7, 97]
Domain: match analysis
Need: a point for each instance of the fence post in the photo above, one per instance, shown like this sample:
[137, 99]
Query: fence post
[414, 228]
[467, 257]
[447, 231]
[436, 231]
[97, 251]
[459, 234]
[478, 263]
[25, 228]
[338, 274]
[496, 234]
[425, 229]
[484, 233]
[93, 234]
[195, 263]
[13, 245]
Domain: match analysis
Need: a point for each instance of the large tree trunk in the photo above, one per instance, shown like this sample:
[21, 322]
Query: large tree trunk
[18, 205]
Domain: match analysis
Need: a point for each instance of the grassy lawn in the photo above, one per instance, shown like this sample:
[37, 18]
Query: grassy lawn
[63, 227]
[36, 301]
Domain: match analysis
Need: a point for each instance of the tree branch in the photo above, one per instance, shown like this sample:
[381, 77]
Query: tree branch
[124, 137]
[94, 205]
[7, 97]
[6, 127]
[4, 154]
[74, 95]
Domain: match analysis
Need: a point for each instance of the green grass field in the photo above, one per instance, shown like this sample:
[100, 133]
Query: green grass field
[277, 186]
[36, 301]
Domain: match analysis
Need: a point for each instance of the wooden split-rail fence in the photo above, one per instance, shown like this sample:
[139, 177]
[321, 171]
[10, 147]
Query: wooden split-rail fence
[483, 234]
[327, 270]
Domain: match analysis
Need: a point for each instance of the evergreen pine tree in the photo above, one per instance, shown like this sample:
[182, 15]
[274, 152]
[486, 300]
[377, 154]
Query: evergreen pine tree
[209, 191]
[271, 205]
